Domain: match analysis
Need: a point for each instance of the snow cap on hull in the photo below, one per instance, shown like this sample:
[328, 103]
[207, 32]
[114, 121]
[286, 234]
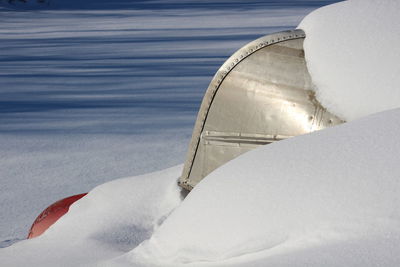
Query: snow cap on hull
[263, 93]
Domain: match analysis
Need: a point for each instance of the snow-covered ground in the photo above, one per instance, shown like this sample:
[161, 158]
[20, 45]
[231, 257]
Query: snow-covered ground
[91, 91]
[330, 198]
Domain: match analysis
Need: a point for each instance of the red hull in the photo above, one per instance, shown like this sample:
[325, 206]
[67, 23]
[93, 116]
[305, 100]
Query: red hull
[51, 214]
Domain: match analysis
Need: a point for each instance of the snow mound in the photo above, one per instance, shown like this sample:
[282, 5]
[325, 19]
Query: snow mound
[352, 53]
[337, 188]
[111, 220]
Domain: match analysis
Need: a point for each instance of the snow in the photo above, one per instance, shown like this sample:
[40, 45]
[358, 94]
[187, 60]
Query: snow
[112, 219]
[330, 198]
[92, 91]
[311, 203]
[333, 187]
[351, 53]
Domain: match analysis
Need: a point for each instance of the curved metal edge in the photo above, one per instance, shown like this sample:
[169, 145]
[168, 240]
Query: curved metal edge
[215, 83]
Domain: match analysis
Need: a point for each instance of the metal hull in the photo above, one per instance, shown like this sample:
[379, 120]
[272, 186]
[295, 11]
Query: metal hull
[262, 94]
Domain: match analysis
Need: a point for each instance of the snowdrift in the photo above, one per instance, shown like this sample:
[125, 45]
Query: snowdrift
[353, 57]
[334, 187]
[331, 198]
[112, 219]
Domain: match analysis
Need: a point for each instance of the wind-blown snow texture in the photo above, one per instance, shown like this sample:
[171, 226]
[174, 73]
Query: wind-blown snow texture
[91, 91]
[353, 57]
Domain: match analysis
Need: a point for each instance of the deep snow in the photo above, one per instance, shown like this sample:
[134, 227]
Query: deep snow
[98, 90]
[329, 198]
[331, 190]
[112, 219]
